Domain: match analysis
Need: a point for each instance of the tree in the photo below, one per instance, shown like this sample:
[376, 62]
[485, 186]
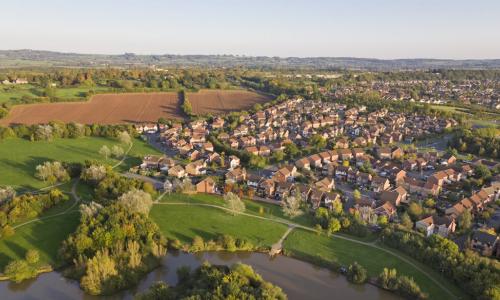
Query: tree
[52, 172]
[104, 151]
[7, 193]
[124, 138]
[117, 151]
[388, 279]
[356, 273]
[94, 173]
[406, 221]
[19, 270]
[382, 221]
[234, 203]
[137, 201]
[134, 255]
[356, 195]
[333, 226]
[32, 256]
[321, 216]
[415, 210]
[465, 221]
[291, 206]
[336, 208]
[100, 269]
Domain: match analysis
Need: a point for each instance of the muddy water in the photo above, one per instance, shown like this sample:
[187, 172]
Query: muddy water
[298, 279]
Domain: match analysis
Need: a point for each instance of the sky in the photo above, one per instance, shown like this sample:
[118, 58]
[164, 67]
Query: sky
[387, 29]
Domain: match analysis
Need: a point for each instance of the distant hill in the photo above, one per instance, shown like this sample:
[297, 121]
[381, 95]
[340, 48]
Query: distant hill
[32, 58]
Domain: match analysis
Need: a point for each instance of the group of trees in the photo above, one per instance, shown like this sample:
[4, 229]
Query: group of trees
[222, 242]
[402, 285]
[21, 269]
[216, 282]
[16, 208]
[57, 129]
[186, 106]
[480, 141]
[113, 246]
[52, 172]
[335, 219]
[479, 276]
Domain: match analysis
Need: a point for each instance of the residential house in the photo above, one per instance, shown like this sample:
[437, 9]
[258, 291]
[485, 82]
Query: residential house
[236, 175]
[380, 184]
[207, 185]
[436, 225]
[484, 242]
[177, 171]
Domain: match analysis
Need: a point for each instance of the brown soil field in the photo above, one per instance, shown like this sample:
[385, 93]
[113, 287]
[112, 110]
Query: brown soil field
[132, 107]
[101, 109]
[218, 102]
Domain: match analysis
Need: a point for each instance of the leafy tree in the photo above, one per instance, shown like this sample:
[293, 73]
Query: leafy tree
[333, 225]
[465, 220]
[234, 203]
[105, 151]
[406, 221]
[415, 210]
[356, 273]
[100, 271]
[356, 195]
[32, 256]
[137, 201]
[19, 270]
[117, 151]
[291, 206]
[52, 172]
[124, 138]
[7, 193]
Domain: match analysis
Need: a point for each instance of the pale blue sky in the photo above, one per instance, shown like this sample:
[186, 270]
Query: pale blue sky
[376, 28]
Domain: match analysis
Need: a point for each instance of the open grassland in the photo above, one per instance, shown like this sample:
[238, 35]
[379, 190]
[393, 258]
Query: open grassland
[218, 102]
[101, 109]
[11, 94]
[322, 249]
[44, 235]
[19, 157]
[185, 222]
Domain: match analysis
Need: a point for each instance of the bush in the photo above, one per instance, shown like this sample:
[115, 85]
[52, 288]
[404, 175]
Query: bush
[356, 273]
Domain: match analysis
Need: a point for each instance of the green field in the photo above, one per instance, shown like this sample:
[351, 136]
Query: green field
[13, 94]
[320, 248]
[44, 236]
[185, 222]
[19, 157]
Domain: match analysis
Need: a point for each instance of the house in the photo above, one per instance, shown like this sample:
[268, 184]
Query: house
[484, 242]
[342, 143]
[153, 162]
[329, 198]
[395, 196]
[177, 171]
[448, 159]
[345, 154]
[283, 190]
[315, 198]
[315, 161]
[207, 185]
[455, 211]
[326, 184]
[236, 175]
[387, 209]
[303, 163]
[266, 188]
[383, 152]
[380, 184]
[196, 168]
[436, 225]
[284, 174]
[234, 162]
[209, 147]
[363, 179]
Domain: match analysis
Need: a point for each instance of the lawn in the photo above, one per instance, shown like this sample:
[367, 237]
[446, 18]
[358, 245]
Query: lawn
[19, 157]
[322, 249]
[45, 236]
[185, 222]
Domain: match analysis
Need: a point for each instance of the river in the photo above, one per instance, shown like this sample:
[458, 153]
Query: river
[299, 280]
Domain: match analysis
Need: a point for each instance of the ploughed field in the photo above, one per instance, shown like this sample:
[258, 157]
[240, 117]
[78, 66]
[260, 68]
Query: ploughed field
[218, 102]
[132, 107]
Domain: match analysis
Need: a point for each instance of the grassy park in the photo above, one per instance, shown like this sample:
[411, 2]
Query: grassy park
[19, 157]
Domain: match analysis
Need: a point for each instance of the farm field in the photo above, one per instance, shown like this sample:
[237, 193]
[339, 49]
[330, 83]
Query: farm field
[218, 102]
[19, 157]
[100, 109]
[129, 107]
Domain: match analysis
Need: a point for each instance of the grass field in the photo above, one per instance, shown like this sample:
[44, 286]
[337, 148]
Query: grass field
[44, 236]
[19, 157]
[13, 94]
[185, 222]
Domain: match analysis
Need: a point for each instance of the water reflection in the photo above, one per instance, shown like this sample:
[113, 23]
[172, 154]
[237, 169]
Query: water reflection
[298, 279]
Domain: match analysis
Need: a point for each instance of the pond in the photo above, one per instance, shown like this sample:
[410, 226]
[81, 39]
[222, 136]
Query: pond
[298, 279]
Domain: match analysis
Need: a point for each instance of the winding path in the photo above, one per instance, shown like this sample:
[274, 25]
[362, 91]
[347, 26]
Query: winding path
[73, 194]
[294, 225]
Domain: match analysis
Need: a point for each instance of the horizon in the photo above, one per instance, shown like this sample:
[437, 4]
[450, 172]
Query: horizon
[381, 29]
[243, 55]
